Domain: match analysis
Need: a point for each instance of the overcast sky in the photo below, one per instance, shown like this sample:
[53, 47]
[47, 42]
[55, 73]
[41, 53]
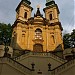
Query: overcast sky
[66, 7]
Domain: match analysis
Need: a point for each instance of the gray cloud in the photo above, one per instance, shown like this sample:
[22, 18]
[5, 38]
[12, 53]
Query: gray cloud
[7, 10]
[66, 14]
[66, 7]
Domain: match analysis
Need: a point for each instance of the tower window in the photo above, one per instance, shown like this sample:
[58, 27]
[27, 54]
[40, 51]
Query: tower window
[50, 16]
[25, 15]
[23, 39]
[53, 40]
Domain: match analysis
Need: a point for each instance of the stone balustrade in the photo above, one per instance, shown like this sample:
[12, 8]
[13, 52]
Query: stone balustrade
[62, 67]
[16, 65]
[44, 54]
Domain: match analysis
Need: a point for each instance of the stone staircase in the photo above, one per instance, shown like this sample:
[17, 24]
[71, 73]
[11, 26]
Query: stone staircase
[41, 54]
[23, 69]
[62, 68]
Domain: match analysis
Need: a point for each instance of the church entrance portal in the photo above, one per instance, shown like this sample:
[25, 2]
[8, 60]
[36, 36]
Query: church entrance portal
[38, 48]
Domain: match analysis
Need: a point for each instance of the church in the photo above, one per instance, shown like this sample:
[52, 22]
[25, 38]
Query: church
[38, 33]
[37, 43]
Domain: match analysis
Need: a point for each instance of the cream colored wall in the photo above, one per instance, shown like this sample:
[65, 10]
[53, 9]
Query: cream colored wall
[44, 33]
[21, 42]
[51, 45]
[59, 39]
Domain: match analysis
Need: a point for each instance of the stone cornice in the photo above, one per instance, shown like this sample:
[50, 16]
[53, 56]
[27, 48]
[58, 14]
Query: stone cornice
[25, 4]
[51, 6]
[50, 3]
[42, 21]
[57, 23]
[19, 21]
[39, 41]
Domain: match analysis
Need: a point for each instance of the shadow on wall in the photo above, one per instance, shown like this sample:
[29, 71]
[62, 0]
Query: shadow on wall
[17, 50]
[58, 51]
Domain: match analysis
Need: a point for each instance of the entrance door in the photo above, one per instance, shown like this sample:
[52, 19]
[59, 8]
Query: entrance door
[38, 48]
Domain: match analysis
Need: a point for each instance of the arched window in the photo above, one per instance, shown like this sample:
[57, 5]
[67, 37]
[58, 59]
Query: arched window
[38, 33]
[50, 16]
[53, 40]
[23, 38]
[25, 15]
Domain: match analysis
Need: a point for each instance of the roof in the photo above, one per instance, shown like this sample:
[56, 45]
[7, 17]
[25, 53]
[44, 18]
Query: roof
[26, 3]
[38, 13]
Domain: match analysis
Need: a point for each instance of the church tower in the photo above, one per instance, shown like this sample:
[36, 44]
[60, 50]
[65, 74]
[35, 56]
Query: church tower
[54, 26]
[19, 35]
[23, 10]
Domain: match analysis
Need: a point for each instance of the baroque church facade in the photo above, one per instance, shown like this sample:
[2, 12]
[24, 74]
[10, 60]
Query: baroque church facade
[37, 33]
[37, 45]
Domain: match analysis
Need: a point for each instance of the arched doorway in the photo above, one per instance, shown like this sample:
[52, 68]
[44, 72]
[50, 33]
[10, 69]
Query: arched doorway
[38, 48]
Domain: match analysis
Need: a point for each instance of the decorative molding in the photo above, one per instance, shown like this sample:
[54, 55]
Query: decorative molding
[39, 41]
[25, 4]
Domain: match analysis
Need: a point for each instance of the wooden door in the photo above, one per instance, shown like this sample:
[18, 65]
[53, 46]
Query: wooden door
[38, 48]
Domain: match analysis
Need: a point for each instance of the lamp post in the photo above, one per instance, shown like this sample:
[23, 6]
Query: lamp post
[49, 67]
[33, 66]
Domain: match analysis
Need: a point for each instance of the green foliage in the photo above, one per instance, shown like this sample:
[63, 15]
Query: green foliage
[66, 40]
[69, 40]
[72, 39]
[5, 33]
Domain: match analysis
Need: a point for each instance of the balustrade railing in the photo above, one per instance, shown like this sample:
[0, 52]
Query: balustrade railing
[17, 65]
[62, 67]
[47, 54]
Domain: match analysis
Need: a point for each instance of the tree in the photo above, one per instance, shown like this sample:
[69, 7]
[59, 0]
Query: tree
[66, 40]
[69, 40]
[72, 39]
[5, 33]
